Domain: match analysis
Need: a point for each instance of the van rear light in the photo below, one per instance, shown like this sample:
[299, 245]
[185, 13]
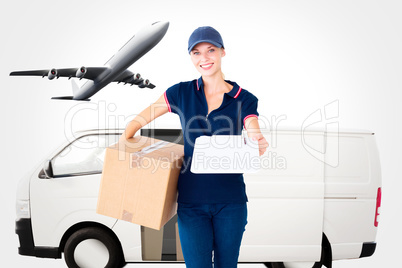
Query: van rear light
[378, 206]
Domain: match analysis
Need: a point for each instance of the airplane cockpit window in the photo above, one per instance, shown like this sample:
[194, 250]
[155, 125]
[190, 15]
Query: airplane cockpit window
[84, 156]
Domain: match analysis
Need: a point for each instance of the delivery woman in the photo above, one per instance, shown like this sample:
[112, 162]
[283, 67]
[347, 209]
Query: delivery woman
[212, 208]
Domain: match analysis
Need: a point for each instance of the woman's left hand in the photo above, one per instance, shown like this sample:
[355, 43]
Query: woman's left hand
[262, 142]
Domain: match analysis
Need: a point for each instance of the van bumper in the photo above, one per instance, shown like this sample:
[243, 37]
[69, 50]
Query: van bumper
[23, 228]
[368, 249]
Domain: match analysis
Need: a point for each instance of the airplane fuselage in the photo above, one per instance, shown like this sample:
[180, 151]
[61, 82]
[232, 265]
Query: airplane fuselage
[133, 50]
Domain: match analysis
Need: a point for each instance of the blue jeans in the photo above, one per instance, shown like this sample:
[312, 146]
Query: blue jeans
[204, 228]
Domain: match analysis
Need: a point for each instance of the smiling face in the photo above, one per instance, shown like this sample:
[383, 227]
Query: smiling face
[207, 59]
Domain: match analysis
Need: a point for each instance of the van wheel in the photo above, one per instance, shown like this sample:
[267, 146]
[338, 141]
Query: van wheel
[92, 247]
[296, 264]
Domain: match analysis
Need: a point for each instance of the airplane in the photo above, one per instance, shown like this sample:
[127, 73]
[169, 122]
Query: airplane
[114, 70]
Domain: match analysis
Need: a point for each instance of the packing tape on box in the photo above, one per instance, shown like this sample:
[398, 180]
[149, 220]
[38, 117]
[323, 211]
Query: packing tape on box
[127, 216]
[136, 158]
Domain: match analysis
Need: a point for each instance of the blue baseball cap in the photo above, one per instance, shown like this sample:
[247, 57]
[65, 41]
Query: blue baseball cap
[205, 34]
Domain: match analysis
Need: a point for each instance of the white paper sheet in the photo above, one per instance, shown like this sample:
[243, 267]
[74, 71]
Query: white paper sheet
[225, 154]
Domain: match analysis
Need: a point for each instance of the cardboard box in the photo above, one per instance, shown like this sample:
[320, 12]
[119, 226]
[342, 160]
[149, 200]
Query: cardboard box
[139, 181]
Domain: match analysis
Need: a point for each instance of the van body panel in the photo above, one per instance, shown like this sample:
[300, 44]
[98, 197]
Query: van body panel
[357, 174]
[59, 203]
[346, 250]
[23, 185]
[264, 253]
[349, 222]
[129, 235]
[290, 182]
[350, 194]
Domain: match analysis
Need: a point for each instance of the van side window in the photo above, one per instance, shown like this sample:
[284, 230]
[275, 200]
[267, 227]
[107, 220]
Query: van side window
[83, 156]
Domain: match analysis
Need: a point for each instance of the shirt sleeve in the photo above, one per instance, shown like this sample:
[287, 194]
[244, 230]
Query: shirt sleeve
[249, 108]
[172, 98]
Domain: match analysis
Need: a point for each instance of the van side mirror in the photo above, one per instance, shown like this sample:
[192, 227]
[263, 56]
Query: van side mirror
[48, 170]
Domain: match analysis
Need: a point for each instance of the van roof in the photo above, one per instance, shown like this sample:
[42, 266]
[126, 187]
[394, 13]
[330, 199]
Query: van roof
[282, 129]
[317, 129]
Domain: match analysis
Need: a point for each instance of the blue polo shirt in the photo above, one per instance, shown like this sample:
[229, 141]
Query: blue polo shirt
[187, 99]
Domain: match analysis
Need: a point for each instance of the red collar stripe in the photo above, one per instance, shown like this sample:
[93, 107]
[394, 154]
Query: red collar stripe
[238, 92]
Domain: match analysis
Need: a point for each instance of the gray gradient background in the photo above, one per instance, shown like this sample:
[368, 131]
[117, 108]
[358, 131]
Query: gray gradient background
[295, 56]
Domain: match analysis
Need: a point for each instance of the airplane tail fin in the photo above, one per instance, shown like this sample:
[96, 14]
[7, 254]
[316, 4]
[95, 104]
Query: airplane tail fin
[68, 98]
[75, 87]
[75, 90]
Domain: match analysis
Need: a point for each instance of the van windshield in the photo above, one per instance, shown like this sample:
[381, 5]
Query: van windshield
[83, 156]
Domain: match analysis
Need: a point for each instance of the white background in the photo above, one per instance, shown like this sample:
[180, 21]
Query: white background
[295, 56]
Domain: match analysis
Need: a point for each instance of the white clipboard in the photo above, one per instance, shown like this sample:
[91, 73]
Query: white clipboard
[225, 154]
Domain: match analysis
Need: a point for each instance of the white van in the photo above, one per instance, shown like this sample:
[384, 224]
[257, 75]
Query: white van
[315, 199]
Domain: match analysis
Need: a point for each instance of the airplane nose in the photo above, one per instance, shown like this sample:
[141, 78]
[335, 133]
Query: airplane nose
[163, 25]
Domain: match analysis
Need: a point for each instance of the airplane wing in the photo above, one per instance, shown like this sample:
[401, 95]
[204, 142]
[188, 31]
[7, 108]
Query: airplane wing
[83, 72]
[124, 77]
[127, 77]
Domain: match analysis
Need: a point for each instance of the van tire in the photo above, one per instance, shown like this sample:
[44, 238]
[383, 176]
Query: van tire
[96, 233]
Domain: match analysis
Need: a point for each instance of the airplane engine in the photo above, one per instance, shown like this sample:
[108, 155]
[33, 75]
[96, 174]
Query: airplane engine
[137, 78]
[52, 74]
[81, 72]
[144, 83]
